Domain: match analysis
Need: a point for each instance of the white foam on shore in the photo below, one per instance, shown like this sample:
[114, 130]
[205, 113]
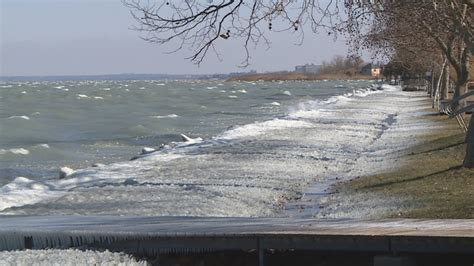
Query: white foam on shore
[312, 109]
[23, 191]
[259, 128]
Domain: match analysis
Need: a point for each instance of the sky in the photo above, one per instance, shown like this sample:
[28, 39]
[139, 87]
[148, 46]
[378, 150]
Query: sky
[93, 37]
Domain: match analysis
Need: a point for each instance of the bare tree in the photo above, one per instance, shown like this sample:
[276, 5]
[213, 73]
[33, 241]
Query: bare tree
[442, 27]
[439, 27]
[402, 30]
[200, 25]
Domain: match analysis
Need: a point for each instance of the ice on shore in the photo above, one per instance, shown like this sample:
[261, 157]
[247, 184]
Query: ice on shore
[66, 257]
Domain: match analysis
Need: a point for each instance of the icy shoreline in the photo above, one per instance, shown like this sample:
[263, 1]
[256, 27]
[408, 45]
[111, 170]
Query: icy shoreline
[251, 170]
[403, 128]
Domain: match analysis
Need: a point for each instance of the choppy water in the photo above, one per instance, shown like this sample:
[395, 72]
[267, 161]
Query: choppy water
[46, 125]
[255, 145]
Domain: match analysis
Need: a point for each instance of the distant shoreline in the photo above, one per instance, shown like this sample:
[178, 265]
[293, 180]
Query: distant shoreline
[119, 77]
[274, 76]
[297, 76]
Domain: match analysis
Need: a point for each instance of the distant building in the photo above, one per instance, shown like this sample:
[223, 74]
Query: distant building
[371, 70]
[308, 68]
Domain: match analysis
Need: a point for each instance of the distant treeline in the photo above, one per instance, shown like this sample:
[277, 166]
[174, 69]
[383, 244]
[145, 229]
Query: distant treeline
[342, 65]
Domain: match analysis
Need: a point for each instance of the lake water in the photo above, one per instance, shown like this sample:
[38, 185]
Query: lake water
[47, 125]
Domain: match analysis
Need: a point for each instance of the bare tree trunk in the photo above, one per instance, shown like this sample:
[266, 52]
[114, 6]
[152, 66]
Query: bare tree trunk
[430, 88]
[462, 74]
[439, 84]
[460, 89]
[469, 158]
[445, 86]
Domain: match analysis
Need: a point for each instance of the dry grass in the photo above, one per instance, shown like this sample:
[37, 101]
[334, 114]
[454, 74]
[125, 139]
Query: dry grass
[432, 184]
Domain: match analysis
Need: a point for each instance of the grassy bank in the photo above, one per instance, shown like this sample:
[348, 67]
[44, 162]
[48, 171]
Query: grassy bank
[430, 184]
[297, 76]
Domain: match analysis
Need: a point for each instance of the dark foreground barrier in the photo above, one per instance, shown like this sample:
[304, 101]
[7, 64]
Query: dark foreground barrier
[151, 236]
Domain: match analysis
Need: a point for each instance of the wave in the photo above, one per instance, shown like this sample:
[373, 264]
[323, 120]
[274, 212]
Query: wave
[18, 151]
[166, 116]
[314, 108]
[259, 128]
[23, 191]
[19, 116]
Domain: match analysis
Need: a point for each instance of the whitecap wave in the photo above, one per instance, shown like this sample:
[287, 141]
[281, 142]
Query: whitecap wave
[166, 116]
[19, 116]
[43, 145]
[259, 128]
[23, 191]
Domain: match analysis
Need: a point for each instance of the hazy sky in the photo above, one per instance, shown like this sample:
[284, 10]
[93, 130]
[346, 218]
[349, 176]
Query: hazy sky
[83, 37]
